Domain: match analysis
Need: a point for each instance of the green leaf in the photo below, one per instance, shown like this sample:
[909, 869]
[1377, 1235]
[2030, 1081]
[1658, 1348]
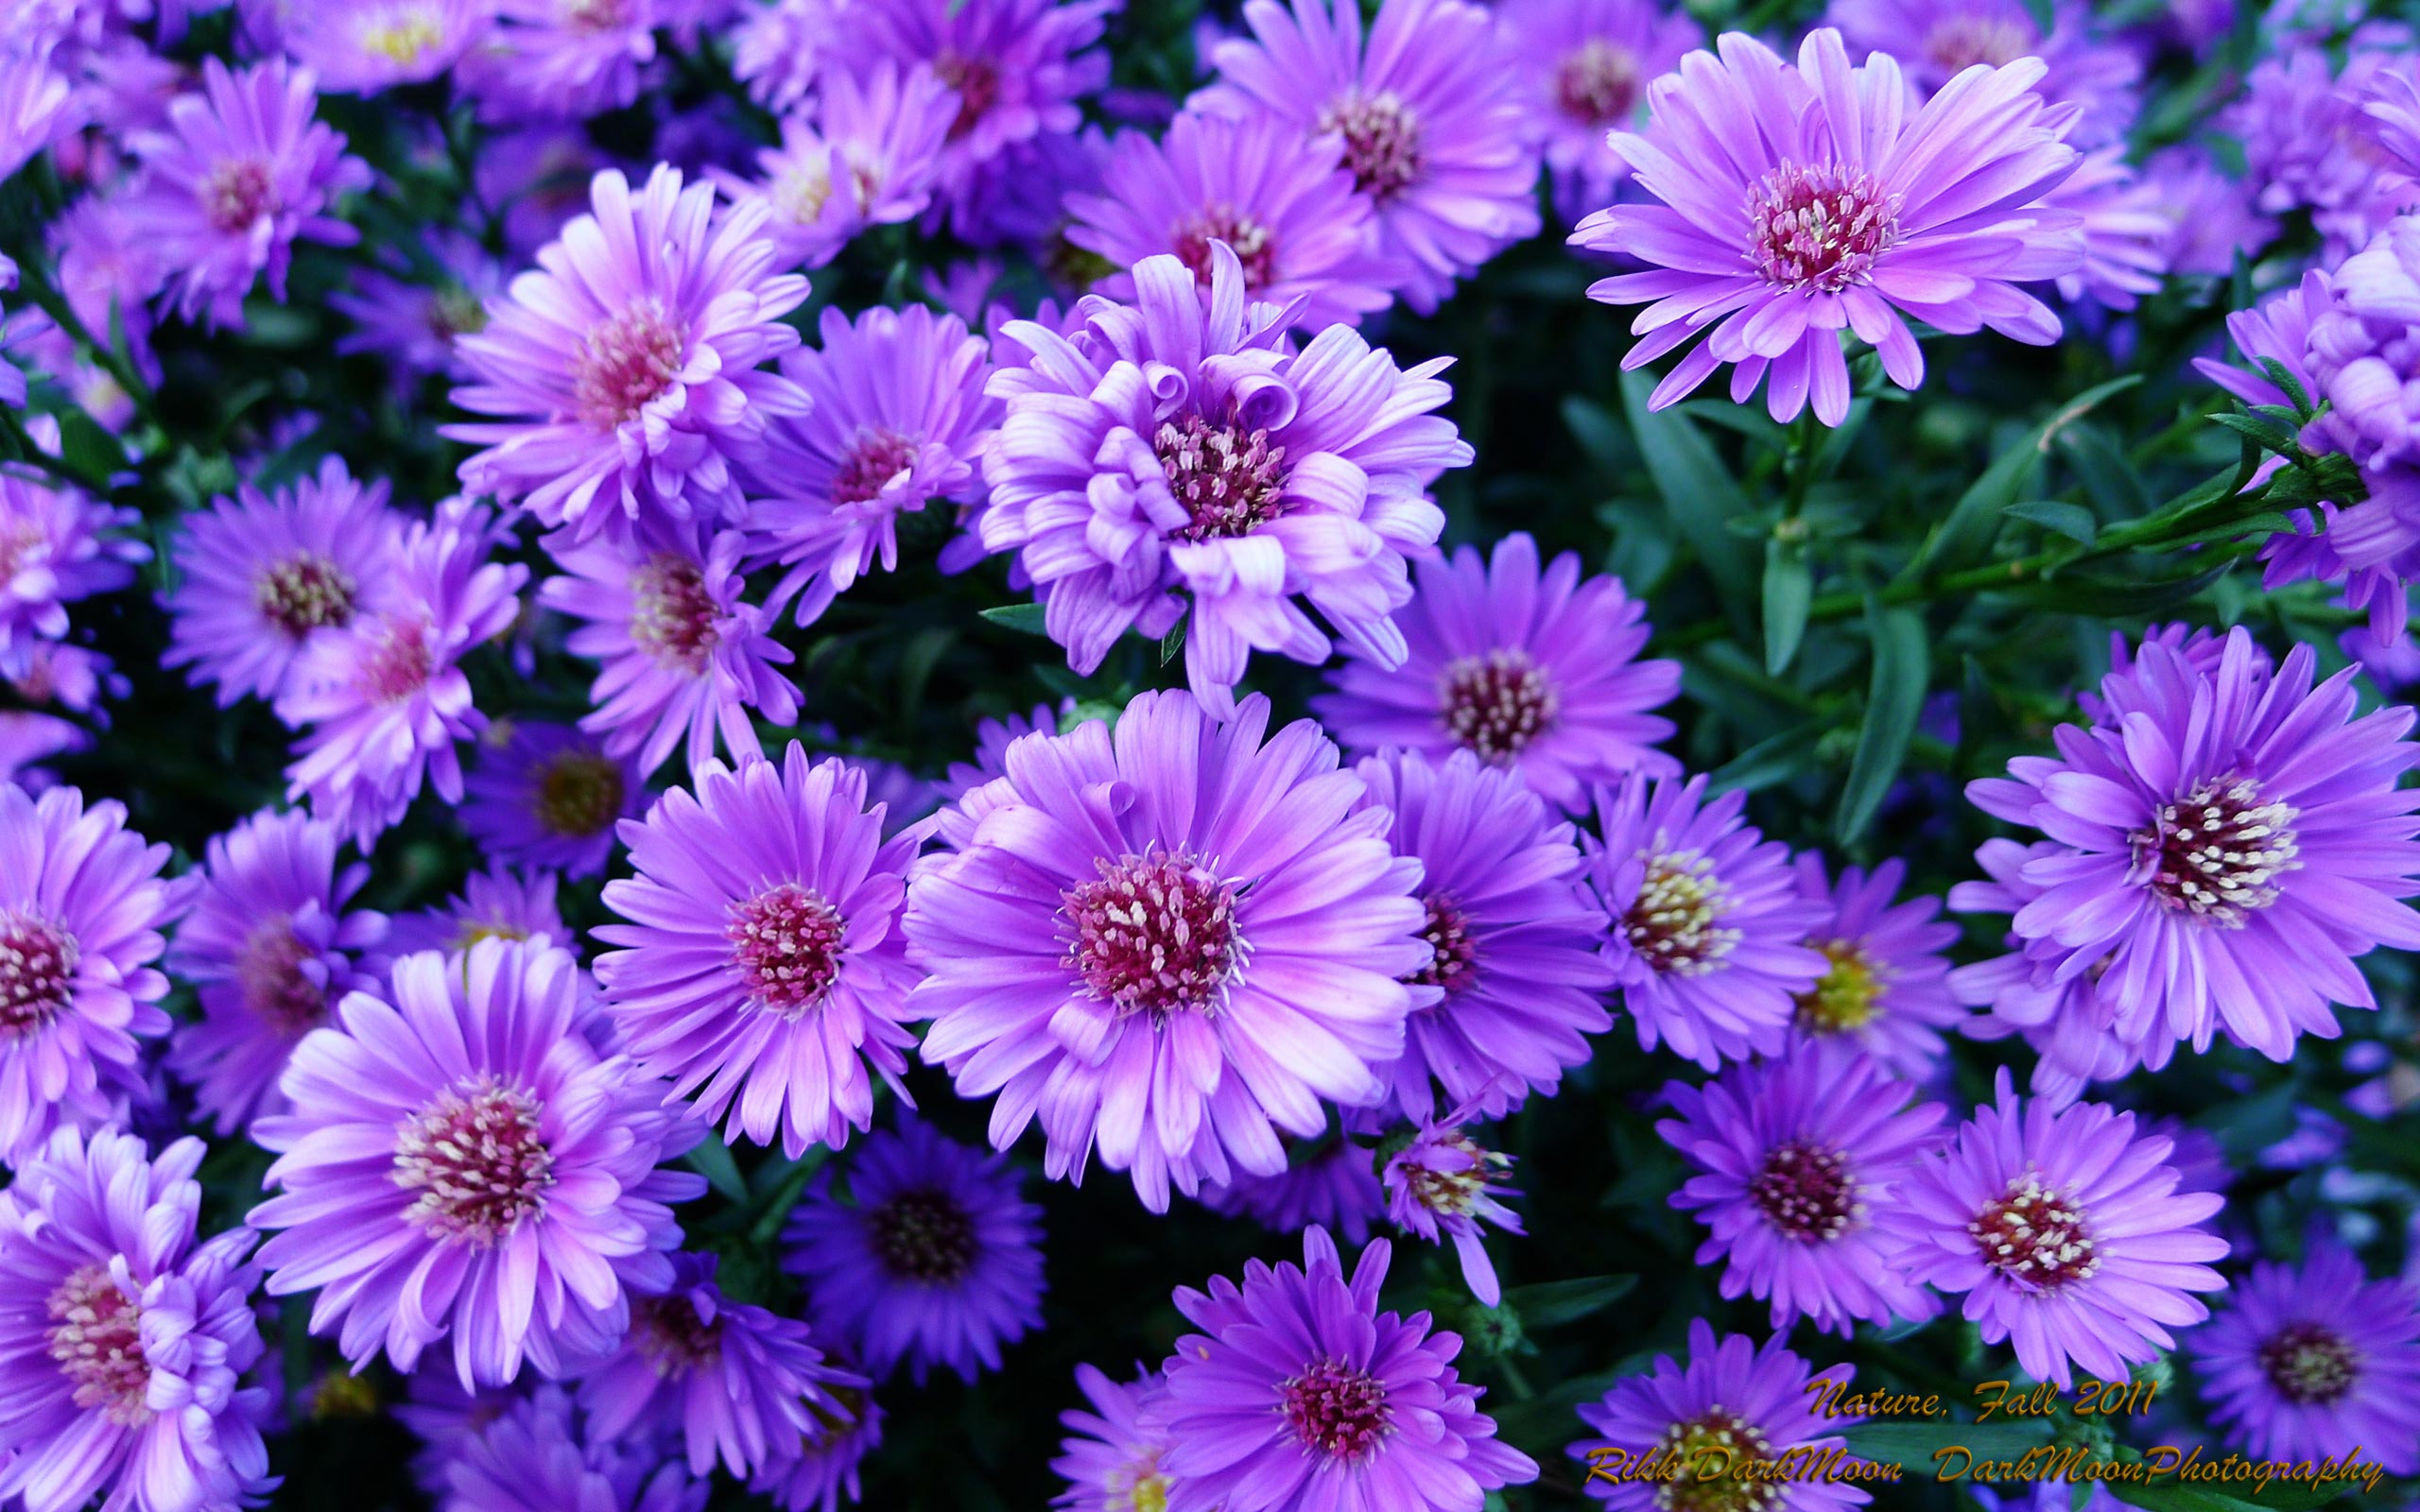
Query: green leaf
[1550, 1303]
[86, 447]
[1026, 617]
[2072, 521]
[1902, 666]
[1774, 759]
[2175, 1496]
[2284, 378]
[1790, 588]
[2270, 433]
[2045, 20]
[1699, 493]
[2109, 479]
[1599, 433]
[711, 1157]
[1913, 1442]
[1966, 534]
[1172, 643]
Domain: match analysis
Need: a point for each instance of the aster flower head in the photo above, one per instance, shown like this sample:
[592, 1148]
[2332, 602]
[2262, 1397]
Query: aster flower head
[1754, 1403]
[1886, 986]
[109, 268]
[1170, 942]
[2391, 115]
[241, 173]
[1794, 202]
[1793, 1158]
[460, 1163]
[763, 962]
[2364, 343]
[2306, 143]
[386, 696]
[2065, 1230]
[623, 375]
[1178, 452]
[269, 946]
[1515, 984]
[2209, 213]
[1335, 1187]
[1535, 672]
[81, 906]
[1935, 41]
[1583, 68]
[1427, 117]
[57, 544]
[2225, 847]
[537, 1456]
[363, 46]
[1111, 1456]
[123, 1338]
[821, 1471]
[1297, 1391]
[263, 576]
[411, 316]
[777, 51]
[38, 106]
[1708, 938]
[563, 59]
[935, 1259]
[993, 738]
[868, 156]
[1287, 207]
[494, 904]
[2127, 231]
[1443, 1186]
[550, 796]
[2314, 1361]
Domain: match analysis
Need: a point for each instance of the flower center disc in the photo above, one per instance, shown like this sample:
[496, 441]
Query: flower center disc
[277, 990]
[1496, 704]
[1819, 227]
[787, 942]
[1448, 930]
[580, 794]
[1673, 922]
[1597, 82]
[37, 974]
[1254, 244]
[2309, 1364]
[1228, 480]
[236, 193]
[671, 1337]
[1382, 142]
[1807, 1192]
[476, 1161]
[672, 614]
[1849, 995]
[2217, 852]
[1155, 934]
[2036, 1235]
[96, 1340]
[1337, 1409]
[304, 592]
[627, 361]
[874, 458]
[923, 1236]
[1690, 1446]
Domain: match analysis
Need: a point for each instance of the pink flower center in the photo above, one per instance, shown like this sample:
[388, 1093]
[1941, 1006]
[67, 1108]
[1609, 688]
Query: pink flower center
[2218, 851]
[923, 1236]
[580, 794]
[1155, 934]
[1448, 930]
[37, 963]
[673, 615]
[1597, 82]
[1254, 244]
[1819, 227]
[1849, 995]
[2036, 1234]
[628, 361]
[1675, 922]
[597, 15]
[1228, 480]
[236, 193]
[787, 944]
[1382, 141]
[1806, 1190]
[977, 82]
[96, 1339]
[1725, 1489]
[303, 593]
[671, 1337]
[475, 1162]
[396, 660]
[1497, 703]
[2309, 1364]
[1963, 39]
[269, 970]
[876, 456]
[1337, 1409]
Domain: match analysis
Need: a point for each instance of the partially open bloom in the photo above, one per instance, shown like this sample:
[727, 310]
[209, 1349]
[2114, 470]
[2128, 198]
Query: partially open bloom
[2362, 348]
[1111, 1456]
[1886, 989]
[1443, 1185]
[563, 59]
[461, 1163]
[57, 544]
[362, 46]
[867, 157]
[548, 795]
[1583, 67]
[1822, 204]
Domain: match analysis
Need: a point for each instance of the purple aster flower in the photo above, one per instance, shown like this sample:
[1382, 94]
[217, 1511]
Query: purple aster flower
[738, 1381]
[385, 696]
[778, 52]
[899, 418]
[1443, 1185]
[548, 795]
[1536, 673]
[2209, 213]
[2316, 1361]
[269, 946]
[623, 373]
[684, 654]
[1886, 987]
[1734, 1405]
[241, 173]
[1823, 205]
[563, 59]
[1111, 1456]
[1287, 207]
[1709, 939]
[57, 544]
[1935, 41]
[1335, 1187]
[2362, 348]
[108, 268]
[869, 157]
[1516, 981]
[1428, 116]
[993, 738]
[1583, 67]
[122, 1339]
[495, 905]
[540, 175]
[2065, 1232]
[821, 1471]
[1795, 1157]
[81, 906]
[411, 319]
[1175, 977]
[2304, 147]
[38, 106]
[2227, 843]
[461, 1163]
[935, 1259]
[536, 1457]
[262, 577]
[1298, 1392]
[764, 960]
[445, 1415]
[2127, 231]
[1180, 445]
[2391, 115]
[362, 46]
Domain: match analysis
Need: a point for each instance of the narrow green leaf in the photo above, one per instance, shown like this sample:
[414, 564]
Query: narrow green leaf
[2109, 479]
[1774, 759]
[1790, 588]
[2072, 521]
[1549, 1303]
[711, 1157]
[1172, 643]
[1966, 534]
[2268, 432]
[1699, 493]
[2045, 20]
[1902, 665]
[1599, 433]
[2284, 378]
[1026, 617]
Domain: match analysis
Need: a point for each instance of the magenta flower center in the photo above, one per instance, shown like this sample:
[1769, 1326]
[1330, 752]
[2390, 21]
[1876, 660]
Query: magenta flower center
[1724, 1488]
[1231, 481]
[1382, 141]
[2036, 1234]
[237, 192]
[627, 361]
[876, 456]
[1675, 922]
[96, 1338]
[2218, 851]
[1819, 227]
[1597, 82]
[1849, 995]
[37, 974]
[1496, 704]
[1337, 1409]
[304, 592]
[785, 943]
[271, 971]
[673, 614]
[1961, 40]
[580, 794]
[672, 1337]
[1155, 934]
[397, 660]
[1806, 1190]
[2309, 1364]
[1448, 930]
[597, 15]
[1450, 1192]
[923, 1236]
[977, 82]
[474, 1161]
[1254, 244]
